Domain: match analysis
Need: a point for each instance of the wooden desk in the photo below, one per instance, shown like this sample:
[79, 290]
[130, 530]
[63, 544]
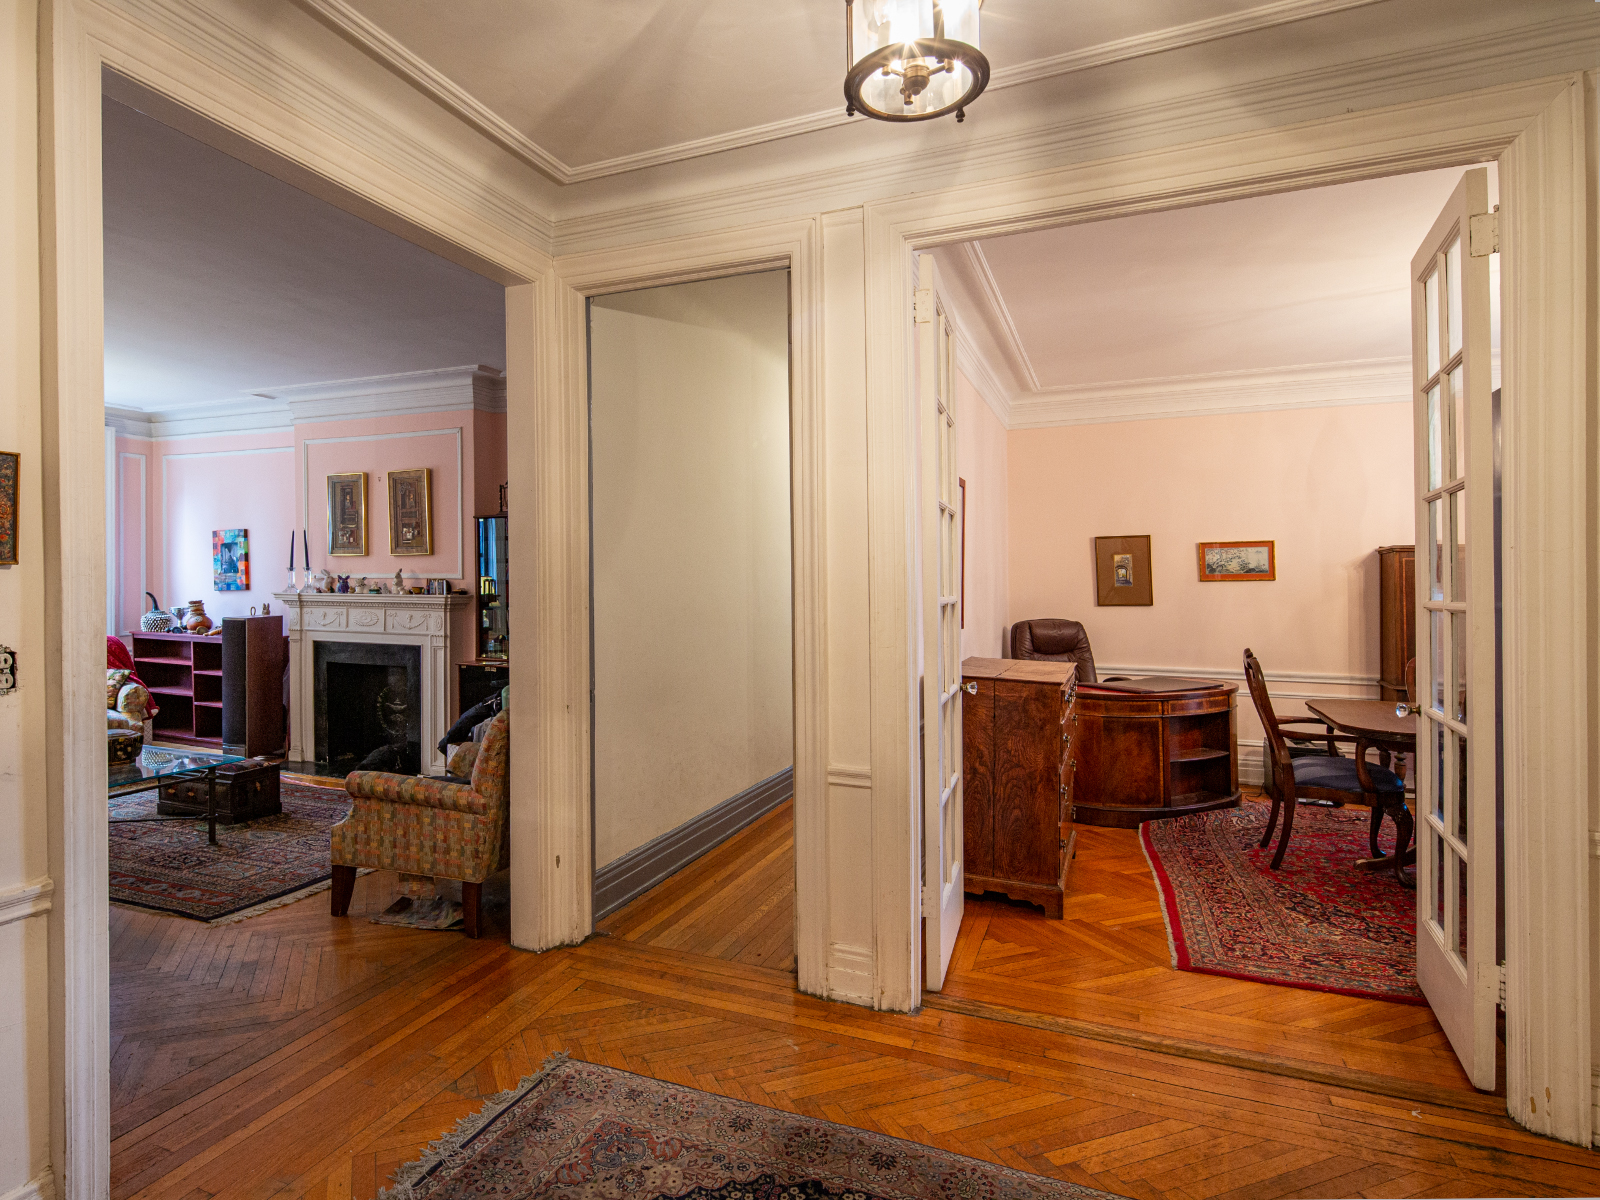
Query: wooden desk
[1373, 723]
[1150, 754]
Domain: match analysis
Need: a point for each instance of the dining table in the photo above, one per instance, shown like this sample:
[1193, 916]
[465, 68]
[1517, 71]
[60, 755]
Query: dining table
[1380, 725]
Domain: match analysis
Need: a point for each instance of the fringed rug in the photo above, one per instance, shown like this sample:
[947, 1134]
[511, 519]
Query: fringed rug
[169, 865]
[576, 1131]
[1320, 922]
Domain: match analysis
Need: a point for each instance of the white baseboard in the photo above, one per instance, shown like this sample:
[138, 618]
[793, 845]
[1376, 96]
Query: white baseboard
[41, 1187]
[850, 975]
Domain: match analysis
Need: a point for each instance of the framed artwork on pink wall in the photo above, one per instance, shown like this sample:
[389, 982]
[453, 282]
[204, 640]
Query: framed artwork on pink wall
[347, 514]
[230, 560]
[410, 511]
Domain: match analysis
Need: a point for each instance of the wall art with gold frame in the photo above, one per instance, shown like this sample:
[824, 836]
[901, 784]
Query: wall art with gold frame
[347, 514]
[411, 511]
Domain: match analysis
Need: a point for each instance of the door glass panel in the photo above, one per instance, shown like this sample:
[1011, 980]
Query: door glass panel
[1438, 879]
[1452, 273]
[1435, 441]
[1436, 549]
[1458, 425]
[1431, 301]
[1437, 658]
[1438, 769]
[1458, 652]
[1457, 542]
[1461, 910]
[1461, 789]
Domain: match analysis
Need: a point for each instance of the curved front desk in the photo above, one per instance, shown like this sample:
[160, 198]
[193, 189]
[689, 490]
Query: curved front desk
[1155, 747]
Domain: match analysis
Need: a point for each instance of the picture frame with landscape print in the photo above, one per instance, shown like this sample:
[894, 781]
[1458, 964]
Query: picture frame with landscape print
[411, 511]
[1238, 562]
[230, 560]
[347, 514]
[10, 467]
[1122, 570]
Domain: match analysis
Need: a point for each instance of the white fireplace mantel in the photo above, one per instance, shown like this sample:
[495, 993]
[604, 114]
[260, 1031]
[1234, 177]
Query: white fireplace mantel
[440, 625]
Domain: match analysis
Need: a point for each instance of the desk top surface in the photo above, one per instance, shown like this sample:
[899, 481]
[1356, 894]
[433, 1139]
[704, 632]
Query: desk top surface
[1364, 717]
[1020, 670]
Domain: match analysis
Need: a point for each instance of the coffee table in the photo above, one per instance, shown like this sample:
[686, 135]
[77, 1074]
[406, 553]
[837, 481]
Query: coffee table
[155, 767]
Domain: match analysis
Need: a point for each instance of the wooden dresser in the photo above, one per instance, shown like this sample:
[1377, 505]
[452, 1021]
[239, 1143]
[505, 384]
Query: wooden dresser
[1020, 757]
[1397, 620]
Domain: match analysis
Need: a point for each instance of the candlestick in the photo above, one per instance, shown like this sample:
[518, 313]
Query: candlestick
[305, 545]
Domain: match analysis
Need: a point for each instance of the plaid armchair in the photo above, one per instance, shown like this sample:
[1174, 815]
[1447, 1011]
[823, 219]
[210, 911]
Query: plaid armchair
[432, 827]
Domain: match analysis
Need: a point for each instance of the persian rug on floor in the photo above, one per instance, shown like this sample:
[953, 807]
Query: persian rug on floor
[1320, 922]
[577, 1131]
[170, 866]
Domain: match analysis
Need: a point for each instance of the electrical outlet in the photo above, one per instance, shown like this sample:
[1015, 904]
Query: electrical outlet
[8, 671]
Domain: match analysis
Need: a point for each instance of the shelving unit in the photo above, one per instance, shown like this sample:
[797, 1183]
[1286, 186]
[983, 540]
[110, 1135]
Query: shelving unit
[183, 671]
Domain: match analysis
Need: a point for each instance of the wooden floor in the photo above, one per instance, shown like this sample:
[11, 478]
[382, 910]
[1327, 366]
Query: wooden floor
[295, 1054]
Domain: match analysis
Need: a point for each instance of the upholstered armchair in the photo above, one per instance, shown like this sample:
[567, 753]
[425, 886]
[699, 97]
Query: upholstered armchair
[1055, 640]
[428, 827]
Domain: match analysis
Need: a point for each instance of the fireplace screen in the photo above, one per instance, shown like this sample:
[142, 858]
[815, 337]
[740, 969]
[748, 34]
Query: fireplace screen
[369, 707]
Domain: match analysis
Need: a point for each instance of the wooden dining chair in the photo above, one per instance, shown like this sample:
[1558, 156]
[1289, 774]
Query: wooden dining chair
[1321, 777]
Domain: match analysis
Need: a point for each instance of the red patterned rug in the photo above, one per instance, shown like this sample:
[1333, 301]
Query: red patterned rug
[577, 1131]
[169, 865]
[1319, 923]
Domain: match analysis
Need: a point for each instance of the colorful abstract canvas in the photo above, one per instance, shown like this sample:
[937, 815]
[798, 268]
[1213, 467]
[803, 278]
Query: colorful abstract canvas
[230, 559]
[8, 508]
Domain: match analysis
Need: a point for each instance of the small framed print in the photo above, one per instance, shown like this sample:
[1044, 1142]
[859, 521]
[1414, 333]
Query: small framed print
[230, 560]
[1226, 562]
[1122, 570]
[347, 514]
[10, 464]
[411, 511]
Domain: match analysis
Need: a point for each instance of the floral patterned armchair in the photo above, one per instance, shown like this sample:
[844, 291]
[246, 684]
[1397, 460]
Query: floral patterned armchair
[428, 827]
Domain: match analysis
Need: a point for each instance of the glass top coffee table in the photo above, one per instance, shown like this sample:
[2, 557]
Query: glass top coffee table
[154, 768]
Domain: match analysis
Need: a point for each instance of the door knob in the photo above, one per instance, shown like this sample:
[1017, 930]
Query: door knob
[971, 687]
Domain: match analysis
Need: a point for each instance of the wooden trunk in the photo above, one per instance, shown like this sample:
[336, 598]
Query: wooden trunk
[245, 791]
[1018, 762]
[1397, 618]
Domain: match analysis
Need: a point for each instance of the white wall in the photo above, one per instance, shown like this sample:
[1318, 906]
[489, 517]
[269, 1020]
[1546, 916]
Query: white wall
[983, 465]
[692, 624]
[24, 866]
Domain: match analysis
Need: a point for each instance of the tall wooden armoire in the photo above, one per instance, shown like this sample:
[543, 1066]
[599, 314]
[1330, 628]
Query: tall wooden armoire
[1018, 727]
[1397, 618]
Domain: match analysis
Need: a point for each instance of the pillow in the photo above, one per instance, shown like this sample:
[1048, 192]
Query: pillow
[121, 721]
[115, 681]
[134, 700]
[461, 762]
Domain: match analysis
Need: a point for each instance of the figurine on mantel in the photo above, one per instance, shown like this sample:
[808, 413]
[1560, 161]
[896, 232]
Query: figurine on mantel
[344, 585]
[321, 581]
[399, 584]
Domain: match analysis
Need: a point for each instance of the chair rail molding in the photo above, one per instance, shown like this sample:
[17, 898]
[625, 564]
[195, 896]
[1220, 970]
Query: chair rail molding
[1539, 132]
[23, 900]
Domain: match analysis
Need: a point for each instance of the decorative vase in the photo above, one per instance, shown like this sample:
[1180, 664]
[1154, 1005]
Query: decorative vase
[157, 620]
[197, 621]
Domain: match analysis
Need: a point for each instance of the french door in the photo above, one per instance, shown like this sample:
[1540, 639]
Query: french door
[942, 879]
[1456, 745]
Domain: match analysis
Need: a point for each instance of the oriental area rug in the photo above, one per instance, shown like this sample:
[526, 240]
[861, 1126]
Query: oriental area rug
[1320, 922]
[576, 1131]
[169, 865]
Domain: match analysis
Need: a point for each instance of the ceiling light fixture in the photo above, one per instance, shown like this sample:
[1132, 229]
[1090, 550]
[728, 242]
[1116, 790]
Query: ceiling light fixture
[911, 60]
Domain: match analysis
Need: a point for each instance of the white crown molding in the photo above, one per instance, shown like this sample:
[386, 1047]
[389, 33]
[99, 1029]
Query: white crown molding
[971, 363]
[395, 56]
[1299, 97]
[29, 899]
[277, 409]
[1001, 312]
[1320, 385]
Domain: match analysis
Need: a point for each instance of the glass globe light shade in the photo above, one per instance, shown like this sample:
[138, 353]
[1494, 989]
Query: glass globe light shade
[911, 60]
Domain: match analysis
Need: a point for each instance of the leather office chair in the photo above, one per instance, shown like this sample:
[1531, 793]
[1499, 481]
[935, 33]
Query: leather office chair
[1055, 640]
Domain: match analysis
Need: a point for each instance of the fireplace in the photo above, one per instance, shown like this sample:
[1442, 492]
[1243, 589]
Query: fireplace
[369, 706]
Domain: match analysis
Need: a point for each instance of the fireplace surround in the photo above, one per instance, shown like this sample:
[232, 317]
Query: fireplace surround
[436, 628]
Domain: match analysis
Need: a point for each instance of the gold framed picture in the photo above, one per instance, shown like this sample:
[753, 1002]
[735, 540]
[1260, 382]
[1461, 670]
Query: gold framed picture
[1242, 562]
[347, 514]
[411, 511]
[1122, 570]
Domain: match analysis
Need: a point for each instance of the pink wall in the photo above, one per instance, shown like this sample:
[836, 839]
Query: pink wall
[982, 463]
[1328, 485]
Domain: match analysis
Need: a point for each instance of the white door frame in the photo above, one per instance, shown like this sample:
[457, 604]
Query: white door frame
[1538, 131]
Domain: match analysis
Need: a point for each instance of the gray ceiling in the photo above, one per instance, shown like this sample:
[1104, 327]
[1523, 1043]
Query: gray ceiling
[221, 280]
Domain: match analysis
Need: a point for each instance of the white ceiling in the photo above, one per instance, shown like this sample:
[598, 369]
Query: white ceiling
[220, 280]
[1309, 277]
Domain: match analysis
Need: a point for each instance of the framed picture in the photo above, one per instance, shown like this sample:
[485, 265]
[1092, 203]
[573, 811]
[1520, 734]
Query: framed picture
[9, 465]
[347, 514]
[230, 560]
[1122, 570]
[411, 511]
[1221, 562]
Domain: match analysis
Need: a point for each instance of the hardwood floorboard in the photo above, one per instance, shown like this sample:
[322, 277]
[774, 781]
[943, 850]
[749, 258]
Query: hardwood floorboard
[298, 1055]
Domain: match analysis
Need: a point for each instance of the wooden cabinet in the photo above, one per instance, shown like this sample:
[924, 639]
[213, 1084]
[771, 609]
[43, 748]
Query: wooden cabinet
[1397, 618]
[1019, 760]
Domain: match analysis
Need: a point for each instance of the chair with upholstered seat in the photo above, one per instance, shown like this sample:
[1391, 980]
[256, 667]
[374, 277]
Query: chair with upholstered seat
[1054, 640]
[1320, 777]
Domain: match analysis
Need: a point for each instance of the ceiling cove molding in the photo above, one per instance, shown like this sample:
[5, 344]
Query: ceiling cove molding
[990, 288]
[1382, 81]
[274, 410]
[971, 363]
[1319, 385]
[364, 33]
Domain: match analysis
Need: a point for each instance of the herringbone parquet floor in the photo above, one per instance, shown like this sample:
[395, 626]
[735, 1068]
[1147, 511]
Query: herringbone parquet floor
[296, 1054]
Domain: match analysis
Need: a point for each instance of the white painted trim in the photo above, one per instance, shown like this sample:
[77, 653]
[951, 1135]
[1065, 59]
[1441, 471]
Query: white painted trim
[432, 82]
[22, 900]
[129, 422]
[971, 363]
[41, 1187]
[241, 414]
[111, 521]
[144, 534]
[461, 485]
[1319, 385]
[989, 287]
[850, 777]
[850, 973]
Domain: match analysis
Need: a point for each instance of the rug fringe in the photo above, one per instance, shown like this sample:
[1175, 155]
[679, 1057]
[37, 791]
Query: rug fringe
[465, 1129]
[1166, 917]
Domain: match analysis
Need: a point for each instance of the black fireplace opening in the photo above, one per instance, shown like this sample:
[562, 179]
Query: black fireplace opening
[369, 707]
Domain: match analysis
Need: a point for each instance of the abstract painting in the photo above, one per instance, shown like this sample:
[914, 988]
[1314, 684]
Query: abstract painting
[230, 560]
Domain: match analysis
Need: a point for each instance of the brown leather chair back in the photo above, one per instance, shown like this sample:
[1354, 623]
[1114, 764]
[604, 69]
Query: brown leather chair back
[1056, 640]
